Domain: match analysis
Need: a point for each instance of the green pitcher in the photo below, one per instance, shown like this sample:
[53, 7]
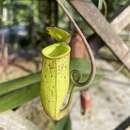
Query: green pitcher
[55, 79]
[58, 80]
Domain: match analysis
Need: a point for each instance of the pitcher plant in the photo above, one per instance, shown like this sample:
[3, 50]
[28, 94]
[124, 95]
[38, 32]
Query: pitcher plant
[57, 82]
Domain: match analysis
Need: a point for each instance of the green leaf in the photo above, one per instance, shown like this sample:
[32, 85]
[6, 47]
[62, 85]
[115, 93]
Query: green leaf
[19, 83]
[80, 64]
[68, 125]
[16, 92]
[63, 124]
[18, 97]
[59, 34]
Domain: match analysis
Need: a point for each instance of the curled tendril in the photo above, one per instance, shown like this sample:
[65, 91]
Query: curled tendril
[76, 76]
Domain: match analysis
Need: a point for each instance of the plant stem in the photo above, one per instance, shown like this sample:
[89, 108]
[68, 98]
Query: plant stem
[90, 53]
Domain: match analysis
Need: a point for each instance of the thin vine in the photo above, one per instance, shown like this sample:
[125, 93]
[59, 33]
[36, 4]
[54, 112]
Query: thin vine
[90, 53]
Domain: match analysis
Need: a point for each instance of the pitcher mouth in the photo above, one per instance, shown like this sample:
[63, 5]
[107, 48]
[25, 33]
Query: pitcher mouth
[56, 50]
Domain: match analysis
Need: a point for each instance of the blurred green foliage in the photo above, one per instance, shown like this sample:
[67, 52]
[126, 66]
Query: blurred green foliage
[114, 5]
[36, 15]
